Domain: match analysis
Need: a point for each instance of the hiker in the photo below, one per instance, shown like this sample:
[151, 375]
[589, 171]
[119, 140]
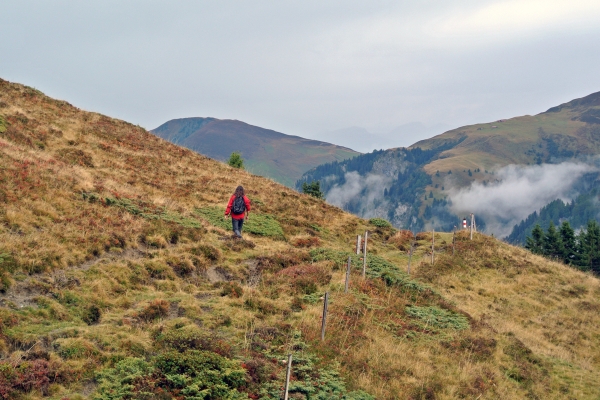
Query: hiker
[238, 207]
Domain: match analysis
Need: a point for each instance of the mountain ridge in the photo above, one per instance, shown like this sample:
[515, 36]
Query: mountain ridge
[266, 152]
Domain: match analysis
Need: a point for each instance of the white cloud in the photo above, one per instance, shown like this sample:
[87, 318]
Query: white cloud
[367, 189]
[520, 191]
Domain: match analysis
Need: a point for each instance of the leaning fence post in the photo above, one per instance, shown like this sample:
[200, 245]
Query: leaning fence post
[364, 274]
[432, 245]
[358, 244]
[324, 316]
[347, 275]
[287, 377]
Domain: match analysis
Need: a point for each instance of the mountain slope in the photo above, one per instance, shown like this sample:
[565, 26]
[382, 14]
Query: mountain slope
[469, 156]
[563, 132]
[281, 157]
[120, 279]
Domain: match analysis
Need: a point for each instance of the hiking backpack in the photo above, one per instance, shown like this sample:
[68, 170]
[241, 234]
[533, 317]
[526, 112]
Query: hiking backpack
[239, 205]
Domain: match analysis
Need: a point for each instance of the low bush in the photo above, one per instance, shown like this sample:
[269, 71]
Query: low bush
[23, 376]
[91, 315]
[232, 289]
[194, 374]
[435, 317]
[380, 223]
[156, 309]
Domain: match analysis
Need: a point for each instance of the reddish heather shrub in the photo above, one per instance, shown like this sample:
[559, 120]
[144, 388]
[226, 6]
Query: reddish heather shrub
[311, 241]
[305, 278]
[156, 309]
[401, 240]
[24, 377]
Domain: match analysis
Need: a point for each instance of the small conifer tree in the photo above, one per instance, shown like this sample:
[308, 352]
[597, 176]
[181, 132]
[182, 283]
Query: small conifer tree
[313, 189]
[236, 160]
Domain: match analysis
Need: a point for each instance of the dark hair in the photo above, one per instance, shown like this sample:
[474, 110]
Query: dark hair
[239, 191]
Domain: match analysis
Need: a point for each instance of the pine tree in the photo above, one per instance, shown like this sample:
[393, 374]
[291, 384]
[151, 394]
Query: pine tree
[236, 160]
[534, 243]
[313, 189]
[590, 241]
[551, 242]
[568, 243]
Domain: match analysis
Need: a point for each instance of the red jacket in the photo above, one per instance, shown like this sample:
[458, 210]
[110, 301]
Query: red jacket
[230, 204]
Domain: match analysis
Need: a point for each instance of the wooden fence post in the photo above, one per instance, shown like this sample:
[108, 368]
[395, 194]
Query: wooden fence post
[365, 255]
[348, 275]
[358, 240]
[324, 316]
[432, 245]
[412, 244]
[287, 377]
[453, 240]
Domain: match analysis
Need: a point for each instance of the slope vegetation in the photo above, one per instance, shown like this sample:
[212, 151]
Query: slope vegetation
[120, 280]
[281, 157]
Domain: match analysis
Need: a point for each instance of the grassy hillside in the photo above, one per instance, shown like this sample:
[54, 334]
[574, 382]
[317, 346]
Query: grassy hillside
[563, 132]
[275, 155]
[120, 280]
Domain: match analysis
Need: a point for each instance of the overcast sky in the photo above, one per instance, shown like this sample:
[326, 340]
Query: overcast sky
[305, 67]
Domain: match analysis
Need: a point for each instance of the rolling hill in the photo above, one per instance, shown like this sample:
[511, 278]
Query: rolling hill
[275, 155]
[119, 279]
[414, 192]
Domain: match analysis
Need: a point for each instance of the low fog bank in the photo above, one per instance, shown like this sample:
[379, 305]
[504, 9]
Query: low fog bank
[364, 191]
[520, 190]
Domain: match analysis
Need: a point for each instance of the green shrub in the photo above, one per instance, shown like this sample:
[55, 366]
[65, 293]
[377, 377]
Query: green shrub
[438, 318]
[91, 315]
[193, 375]
[380, 223]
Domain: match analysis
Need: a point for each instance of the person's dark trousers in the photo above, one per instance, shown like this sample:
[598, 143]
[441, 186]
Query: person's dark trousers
[237, 226]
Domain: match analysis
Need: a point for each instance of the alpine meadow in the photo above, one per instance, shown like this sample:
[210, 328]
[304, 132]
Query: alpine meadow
[120, 280]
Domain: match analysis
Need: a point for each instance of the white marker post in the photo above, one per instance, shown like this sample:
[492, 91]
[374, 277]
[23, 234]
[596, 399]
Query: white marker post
[472, 224]
[358, 240]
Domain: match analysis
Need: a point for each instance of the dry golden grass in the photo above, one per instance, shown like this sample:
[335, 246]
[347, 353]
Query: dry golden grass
[92, 282]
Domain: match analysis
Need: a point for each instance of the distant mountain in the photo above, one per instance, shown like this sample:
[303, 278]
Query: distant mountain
[281, 157]
[414, 187]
